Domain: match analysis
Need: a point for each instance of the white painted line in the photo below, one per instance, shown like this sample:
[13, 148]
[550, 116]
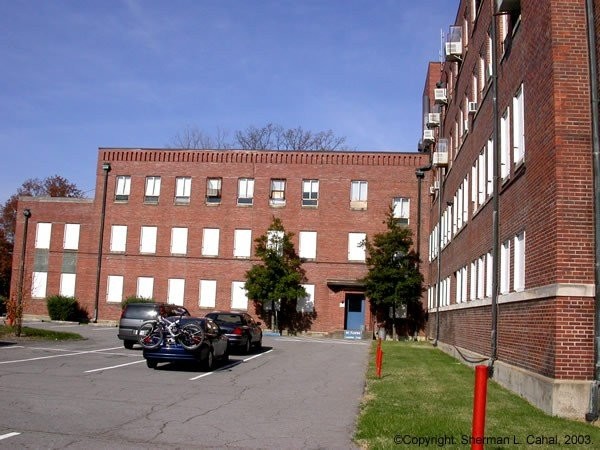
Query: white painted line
[11, 346]
[220, 369]
[114, 367]
[322, 341]
[57, 356]
[9, 435]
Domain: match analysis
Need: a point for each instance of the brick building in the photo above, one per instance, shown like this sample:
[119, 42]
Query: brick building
[513, 221]
[179, 226]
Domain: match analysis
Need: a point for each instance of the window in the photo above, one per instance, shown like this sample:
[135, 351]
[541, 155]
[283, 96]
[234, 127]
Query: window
[118, 238]
[401, 212]
[210, 242]
[183, 189]
[275, 241]
[179, 238]
[518, 127]
[504, 144]
[239, 295]
[69, 263]
[71, 238]
[307, 304]
[481, 181]
[505, 267]
[473, 289]
[307, 244]
[114, 289]
[242, 243]
[213, 190]
[176, 291]
[489, 275]
[152, 189]
[148, 239]
[277, 196]
[310, 192]
[42, 235]
[356, 249]
[245, 191]
[145, 287]
[67, 284]
[358, 194]
[208, 293]
[38, 284]
[481, 277]
[474, 194]
[519, 263]
[122, 188]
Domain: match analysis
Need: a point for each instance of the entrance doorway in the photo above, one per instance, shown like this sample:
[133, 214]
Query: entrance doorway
[355, 312]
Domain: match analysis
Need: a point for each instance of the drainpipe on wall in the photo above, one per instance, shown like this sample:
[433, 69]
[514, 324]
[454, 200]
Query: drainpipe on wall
[593, 406]
[420, 174]
[106, 169]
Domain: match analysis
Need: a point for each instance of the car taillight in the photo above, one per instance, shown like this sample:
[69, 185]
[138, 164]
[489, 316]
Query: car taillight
[237, 331]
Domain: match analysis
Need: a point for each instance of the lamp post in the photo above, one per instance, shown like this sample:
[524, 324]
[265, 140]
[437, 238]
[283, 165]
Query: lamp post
[19, 313]
[106, 169]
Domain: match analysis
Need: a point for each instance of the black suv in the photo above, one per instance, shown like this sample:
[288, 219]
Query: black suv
[135, 314]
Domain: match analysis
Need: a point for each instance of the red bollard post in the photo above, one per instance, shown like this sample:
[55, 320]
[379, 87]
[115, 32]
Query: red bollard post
[378, 359]
[479, 402]
[380, 363]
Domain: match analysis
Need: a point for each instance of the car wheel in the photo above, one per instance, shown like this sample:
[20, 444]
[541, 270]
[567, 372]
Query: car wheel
[259, 344]
[151, 363]
[128, 344]
[209, 361]
[248, 345]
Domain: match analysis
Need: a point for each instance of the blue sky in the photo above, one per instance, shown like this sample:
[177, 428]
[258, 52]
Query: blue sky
[78, 75]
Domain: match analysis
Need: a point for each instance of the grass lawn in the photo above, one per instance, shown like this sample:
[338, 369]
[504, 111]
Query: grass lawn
[28, 333]
[424, 399]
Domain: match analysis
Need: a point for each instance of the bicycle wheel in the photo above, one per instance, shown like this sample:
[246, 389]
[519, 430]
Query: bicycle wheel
[191, 336]
[150, 335]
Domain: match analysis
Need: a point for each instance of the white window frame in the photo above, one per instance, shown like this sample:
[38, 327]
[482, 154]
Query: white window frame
[43, 235]
[207, 294]
[401, 209]
[480, 277]
[118, 238]
[245, 191]
[39, 281]
[356, 251]
[67, 284]
[277, 192]
[145, 287]
[183, 189]
[473, 289]
[148, 239]
[519, 126]
[489, 274]
[114, 289]
[307, 245]
[239, 296]
[214, 189]
[152, 192]
[505, 267]
[310, 192]
[179, 238]
[176, 291]
[519, 262]
[359, 190]
[71, 236]
[307, 304]
[242, 243]
[505, 144]
[210, 241]
[122, 188]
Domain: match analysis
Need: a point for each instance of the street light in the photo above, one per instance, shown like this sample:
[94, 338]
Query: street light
[106, 169]
[19, 313]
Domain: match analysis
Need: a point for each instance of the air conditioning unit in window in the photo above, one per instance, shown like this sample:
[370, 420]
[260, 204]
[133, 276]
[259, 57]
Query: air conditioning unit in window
[432, 120]
[433, 189]
[472, 107]
[440, 155]
[453, 45]
[428, 136]
[439, 95]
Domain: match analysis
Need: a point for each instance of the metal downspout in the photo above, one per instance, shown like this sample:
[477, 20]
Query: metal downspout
[593, 407]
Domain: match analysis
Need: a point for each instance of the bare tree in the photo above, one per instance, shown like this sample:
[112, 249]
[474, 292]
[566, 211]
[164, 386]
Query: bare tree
[194, 138]
[268, 137]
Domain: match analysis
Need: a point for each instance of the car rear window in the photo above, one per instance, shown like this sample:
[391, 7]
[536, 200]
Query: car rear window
[140, 311]
[226, 318]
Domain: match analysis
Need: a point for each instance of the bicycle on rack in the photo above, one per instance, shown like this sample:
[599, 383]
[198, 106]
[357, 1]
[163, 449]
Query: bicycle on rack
[153, 333]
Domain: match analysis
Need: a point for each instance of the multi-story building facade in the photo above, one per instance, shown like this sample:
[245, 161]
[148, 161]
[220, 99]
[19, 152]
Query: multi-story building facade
[513, 224]
[179, 226]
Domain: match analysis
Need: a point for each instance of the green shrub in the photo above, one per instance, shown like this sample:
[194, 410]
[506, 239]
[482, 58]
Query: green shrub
[134, 299]
[65, 308]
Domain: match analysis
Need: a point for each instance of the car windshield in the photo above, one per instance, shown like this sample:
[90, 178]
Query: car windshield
[226, 318]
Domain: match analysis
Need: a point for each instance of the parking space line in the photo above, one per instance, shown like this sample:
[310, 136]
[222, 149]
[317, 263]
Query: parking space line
[57, 356]
[114, 367]
[235, 363]
[9, 435]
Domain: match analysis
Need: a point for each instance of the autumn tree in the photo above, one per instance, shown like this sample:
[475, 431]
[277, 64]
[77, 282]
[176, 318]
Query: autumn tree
[393, 280]
[54, 186]
[276, 283]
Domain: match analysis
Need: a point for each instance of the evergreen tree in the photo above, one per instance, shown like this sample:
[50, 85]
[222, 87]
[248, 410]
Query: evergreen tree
[393, 279]
[276, 283]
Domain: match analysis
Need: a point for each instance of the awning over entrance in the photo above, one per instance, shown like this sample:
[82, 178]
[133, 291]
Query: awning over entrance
[337, 284]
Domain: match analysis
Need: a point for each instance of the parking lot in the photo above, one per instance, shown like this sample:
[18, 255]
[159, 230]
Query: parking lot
[296, 393]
